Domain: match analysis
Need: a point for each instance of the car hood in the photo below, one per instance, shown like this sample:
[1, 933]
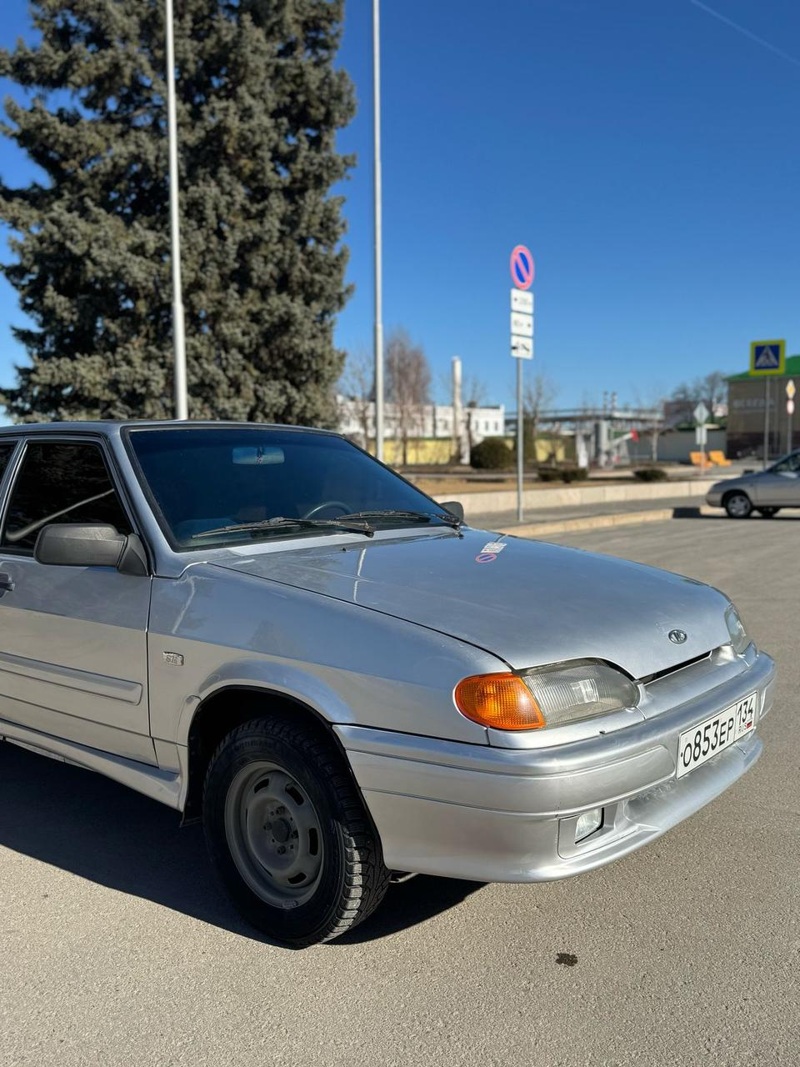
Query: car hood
[742, 479]
[528, 602]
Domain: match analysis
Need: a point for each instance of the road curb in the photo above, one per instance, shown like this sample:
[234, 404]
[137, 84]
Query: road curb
[598, 522]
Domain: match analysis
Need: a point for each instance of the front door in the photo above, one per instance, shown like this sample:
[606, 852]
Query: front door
[73, 640]
[780, 485]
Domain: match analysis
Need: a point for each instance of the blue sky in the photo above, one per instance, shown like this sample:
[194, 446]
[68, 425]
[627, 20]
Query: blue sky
[647, 151]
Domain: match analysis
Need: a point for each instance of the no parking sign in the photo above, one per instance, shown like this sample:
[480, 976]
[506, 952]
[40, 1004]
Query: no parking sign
[522, 267]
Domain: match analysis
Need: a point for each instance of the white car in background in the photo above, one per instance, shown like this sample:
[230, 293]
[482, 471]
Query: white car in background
[764, 491]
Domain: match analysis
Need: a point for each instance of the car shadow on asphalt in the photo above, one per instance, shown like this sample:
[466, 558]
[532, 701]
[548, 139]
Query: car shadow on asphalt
[697, 513]
[102, 831]
[408, 904]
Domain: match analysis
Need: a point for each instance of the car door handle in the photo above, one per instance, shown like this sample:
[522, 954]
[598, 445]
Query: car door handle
[6, 583]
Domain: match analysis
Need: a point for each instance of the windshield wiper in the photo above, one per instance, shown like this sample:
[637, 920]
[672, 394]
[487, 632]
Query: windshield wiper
[391, 514]
[283, 522]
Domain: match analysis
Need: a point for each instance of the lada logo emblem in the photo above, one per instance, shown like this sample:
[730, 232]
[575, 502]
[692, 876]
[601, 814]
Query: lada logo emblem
[677, 637]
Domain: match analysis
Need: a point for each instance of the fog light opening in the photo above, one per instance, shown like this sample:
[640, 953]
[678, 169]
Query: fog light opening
[588, 823]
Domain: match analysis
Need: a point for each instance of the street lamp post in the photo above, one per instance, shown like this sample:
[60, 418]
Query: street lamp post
[181, 405]
[376, 116]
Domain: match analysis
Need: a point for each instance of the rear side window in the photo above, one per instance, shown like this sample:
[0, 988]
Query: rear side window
[60, 482]
[6, 450]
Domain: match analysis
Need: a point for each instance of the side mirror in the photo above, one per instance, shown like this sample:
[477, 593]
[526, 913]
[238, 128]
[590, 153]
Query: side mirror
[64, 544]
[455, 507]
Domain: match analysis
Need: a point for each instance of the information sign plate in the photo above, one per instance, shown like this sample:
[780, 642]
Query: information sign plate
[521, 324]
[522, 301]
[521, 347]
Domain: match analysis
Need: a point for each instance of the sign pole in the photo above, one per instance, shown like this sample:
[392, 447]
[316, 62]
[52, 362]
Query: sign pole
[520, 442]
[701, 414]
[522, 274]
[766, 423]
[767, 358]
[790, 391]
[790, 409]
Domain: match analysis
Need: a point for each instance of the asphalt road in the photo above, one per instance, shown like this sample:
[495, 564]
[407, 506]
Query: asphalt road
[117, 948]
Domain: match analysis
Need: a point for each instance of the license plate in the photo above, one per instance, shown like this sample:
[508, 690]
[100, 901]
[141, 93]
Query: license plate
[705, 740]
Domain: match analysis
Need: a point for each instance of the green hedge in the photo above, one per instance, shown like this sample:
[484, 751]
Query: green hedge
[492, 454]
[651, 474]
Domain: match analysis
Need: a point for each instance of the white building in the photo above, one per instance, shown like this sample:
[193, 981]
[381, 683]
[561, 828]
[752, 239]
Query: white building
[432, 422]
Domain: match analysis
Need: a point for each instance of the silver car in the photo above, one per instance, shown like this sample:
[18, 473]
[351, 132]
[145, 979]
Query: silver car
[764, 491]
[271, 632]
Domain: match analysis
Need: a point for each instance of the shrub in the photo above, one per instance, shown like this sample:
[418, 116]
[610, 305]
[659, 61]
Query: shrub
[574, 474]
[562, 474]
[492, 454]
[650, 474]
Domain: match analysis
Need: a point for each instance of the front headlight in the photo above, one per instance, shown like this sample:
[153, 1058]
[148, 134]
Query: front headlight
[580, 690]
[736, 628]
[546, 696]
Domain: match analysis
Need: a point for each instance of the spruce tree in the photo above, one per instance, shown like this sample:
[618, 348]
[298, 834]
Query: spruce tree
[259, 104]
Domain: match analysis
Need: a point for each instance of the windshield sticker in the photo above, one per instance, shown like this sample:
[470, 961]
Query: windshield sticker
[495, 547]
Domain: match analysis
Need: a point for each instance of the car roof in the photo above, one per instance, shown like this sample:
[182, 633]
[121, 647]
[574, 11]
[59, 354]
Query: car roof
[113, 427]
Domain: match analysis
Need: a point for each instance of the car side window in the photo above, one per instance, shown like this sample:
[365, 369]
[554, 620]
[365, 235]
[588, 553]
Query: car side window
[60, 482]
[789, 465]
[6, 451]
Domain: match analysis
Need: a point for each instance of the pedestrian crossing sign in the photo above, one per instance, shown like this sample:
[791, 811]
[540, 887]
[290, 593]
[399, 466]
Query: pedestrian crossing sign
[768, 357]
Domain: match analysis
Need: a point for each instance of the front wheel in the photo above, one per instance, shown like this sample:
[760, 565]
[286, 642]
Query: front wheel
[738, 505]
[288, 834]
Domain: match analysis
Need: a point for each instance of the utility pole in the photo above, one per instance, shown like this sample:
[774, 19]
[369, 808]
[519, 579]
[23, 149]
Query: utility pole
[178, 336]
[376, 118]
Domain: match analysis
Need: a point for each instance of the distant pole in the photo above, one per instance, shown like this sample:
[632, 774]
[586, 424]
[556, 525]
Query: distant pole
[457, 409]
[179, 340]
[376, 118]
[790, 391]
[789, 430]
[766, 422]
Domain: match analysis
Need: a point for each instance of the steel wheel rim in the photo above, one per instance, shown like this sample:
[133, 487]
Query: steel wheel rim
[739, 506]
[274, 834]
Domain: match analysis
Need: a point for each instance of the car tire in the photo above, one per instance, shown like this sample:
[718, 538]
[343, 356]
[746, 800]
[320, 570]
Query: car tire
[288, 833]
[737, 505]
[768, 513]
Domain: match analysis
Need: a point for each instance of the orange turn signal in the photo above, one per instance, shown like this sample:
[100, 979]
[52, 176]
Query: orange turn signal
[501, 701]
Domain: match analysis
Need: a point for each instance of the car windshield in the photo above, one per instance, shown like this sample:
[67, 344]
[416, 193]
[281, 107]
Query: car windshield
[230, 485]
[788, 465]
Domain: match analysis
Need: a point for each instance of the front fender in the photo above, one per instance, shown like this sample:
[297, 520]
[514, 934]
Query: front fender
[349, 664]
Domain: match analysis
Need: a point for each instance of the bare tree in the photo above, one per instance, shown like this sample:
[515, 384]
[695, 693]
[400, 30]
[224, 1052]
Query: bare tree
[357, 386]
[712, 389]
[538, 395]
[475, 393]
[408, 386]
[653, 421]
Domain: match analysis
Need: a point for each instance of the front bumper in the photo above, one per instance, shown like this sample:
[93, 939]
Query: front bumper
[509, 815]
